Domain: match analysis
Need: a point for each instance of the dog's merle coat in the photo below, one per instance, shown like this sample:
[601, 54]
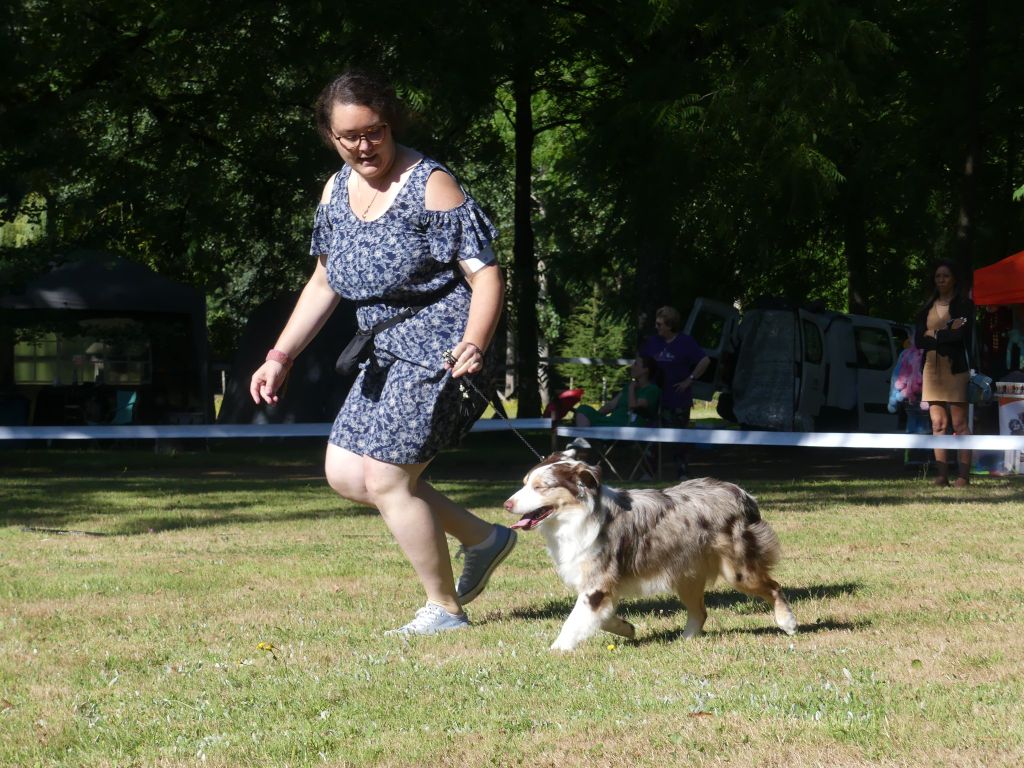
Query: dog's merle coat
[608, 543]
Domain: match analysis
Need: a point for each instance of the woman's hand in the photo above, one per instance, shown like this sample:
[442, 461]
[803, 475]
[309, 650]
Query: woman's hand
[958, 323]
[267, 381]
[469, 358]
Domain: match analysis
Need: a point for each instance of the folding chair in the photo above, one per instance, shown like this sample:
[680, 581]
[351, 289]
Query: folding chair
[563, 403]
[647, 463]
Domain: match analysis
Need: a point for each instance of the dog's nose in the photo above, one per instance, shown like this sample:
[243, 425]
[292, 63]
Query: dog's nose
[509, 505]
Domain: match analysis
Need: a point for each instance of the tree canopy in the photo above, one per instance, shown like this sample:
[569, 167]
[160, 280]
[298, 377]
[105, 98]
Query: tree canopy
[633, 154]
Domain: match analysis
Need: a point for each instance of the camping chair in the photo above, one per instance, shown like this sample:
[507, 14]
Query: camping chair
[559, 408]
[646, 465]
[124, 410]
[563, 404]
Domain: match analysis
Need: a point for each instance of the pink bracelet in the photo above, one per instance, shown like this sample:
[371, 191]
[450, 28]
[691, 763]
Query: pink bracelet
[278, 356]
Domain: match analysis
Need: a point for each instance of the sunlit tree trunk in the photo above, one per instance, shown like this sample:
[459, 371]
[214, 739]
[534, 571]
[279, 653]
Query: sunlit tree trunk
[524, 258]
[967, 223]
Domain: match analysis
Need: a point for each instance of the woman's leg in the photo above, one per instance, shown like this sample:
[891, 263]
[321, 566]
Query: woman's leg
[958, 415]
[585, 415]
[344, 471]
[393, 490]
[457, 521]
[940, 420]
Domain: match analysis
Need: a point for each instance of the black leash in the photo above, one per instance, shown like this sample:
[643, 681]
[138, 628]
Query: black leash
[463, 381]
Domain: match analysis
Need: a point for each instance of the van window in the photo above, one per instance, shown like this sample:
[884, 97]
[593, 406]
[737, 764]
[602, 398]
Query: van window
[707, 330]
[873, 349]
[814, 348]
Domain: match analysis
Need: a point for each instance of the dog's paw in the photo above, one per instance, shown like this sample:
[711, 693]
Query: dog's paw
[788, 625]
[562, 645]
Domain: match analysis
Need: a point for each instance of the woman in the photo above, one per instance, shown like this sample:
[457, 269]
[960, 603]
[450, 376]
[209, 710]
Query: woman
[635, 406]
[943, 328]
[681, 361]
[394, 230]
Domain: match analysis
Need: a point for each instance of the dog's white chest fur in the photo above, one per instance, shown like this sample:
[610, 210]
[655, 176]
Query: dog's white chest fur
[572, 543]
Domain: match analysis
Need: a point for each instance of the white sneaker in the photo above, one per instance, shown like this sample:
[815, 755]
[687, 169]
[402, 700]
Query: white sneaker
[431, 619]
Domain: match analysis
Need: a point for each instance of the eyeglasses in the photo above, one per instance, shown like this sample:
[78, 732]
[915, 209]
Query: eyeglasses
[374, 135]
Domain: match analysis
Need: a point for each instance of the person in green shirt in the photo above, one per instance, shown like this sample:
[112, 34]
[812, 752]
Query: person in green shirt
[635, 406]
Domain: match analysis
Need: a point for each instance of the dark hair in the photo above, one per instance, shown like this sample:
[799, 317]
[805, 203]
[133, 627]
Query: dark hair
[357, 86]
[954, 269]
[650, 364]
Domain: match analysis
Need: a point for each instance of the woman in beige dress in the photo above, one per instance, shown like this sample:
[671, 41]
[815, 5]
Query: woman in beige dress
[943, 328]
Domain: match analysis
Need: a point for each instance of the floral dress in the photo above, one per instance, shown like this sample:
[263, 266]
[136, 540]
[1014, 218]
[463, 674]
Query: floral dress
[404, 406]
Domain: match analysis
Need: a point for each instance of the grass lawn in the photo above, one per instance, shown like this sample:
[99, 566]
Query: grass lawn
[224, 608]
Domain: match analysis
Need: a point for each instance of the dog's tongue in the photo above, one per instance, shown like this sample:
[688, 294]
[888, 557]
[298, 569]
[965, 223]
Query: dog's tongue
[531, 519]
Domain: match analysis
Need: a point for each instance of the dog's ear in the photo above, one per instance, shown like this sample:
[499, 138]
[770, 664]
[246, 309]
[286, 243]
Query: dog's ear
[588, 476]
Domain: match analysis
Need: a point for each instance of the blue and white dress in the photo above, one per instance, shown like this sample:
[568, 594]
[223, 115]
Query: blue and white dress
[404, 406]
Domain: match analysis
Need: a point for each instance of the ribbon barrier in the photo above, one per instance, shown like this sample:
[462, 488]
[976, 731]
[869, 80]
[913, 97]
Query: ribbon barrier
[796, 439]
[732, 437]
[225, 431]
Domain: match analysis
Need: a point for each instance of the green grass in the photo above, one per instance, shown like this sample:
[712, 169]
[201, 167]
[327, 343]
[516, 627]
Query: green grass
[228, 612]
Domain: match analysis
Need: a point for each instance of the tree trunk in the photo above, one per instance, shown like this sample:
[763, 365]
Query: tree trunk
[967, 224]
[855, 247]
[524, 259]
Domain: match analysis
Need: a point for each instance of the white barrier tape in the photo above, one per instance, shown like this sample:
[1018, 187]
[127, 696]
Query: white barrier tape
[201, 431]
[797, 439]
[606, 361]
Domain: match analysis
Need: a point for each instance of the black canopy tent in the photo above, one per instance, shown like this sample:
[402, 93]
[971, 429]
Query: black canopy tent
[98, 288]
[314, 391]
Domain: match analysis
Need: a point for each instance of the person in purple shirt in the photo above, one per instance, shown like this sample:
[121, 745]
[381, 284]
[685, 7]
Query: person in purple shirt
[680, 361]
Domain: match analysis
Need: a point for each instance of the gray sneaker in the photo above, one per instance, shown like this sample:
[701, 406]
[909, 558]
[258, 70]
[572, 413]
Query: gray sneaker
[480, 563]
[431, 619]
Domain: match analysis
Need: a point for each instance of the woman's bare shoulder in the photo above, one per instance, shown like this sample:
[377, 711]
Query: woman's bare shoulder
[443, 193]
[328, 189]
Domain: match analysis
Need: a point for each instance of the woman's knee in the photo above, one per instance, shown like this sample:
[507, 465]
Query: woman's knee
[958, 417]
[385, 480]
[345, 475]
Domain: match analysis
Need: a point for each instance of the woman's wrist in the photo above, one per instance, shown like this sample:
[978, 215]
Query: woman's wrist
[474, 345]
[282, 358]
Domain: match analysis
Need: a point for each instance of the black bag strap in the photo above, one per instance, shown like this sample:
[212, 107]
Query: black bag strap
[415, 305]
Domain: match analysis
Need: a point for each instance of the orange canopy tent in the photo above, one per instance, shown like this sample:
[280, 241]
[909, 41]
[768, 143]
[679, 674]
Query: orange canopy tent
[1000, 283]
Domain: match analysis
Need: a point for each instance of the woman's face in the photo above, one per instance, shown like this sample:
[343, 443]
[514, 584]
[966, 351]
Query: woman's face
[363, 139]
[638, 369]
[662, 328]
[944, 280]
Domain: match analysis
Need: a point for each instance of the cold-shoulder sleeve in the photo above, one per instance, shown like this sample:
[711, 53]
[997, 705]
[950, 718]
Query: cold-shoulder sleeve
[321, 240]
[461, 234]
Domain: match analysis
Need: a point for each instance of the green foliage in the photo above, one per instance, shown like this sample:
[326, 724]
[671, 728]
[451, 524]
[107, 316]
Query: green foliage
[801, 148]
[594, 330]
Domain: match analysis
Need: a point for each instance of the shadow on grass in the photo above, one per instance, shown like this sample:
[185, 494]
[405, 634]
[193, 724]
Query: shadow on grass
[133, 506]
[559, 609]
[672, 635]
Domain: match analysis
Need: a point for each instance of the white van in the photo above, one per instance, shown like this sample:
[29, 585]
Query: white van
[793, 369]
